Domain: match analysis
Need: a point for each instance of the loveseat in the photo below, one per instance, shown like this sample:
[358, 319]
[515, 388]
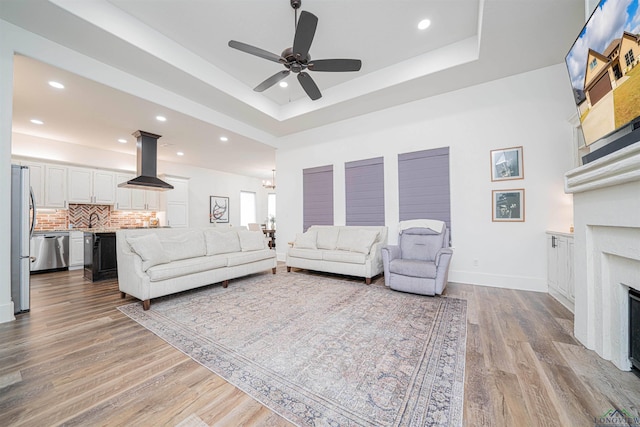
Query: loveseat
[157, 262]
[348, 250]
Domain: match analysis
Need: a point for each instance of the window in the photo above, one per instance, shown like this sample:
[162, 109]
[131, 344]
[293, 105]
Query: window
[317, 196]
[364, 182]
[593, 64]
[247, 208]
[423, 181]
[271, 206]
[628, 57]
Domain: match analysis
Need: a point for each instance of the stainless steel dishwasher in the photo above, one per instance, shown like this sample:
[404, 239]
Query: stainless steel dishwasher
[50, 250]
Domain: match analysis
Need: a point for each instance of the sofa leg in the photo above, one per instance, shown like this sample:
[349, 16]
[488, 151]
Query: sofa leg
[288, 269]
[146, 304]
[367, 280]
[273, 270]
[123, 295]
[225, 283]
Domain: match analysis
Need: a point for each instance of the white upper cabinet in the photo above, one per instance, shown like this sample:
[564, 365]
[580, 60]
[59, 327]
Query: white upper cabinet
[135, 199]
[36, 179]
[91, 186]
[123, 195]
[55, 187]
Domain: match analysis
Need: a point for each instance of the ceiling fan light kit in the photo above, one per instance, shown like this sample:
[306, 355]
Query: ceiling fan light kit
[296, 59]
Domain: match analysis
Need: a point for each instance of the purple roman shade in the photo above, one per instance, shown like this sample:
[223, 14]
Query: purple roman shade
[364, 182]
[423, 181]
[317, 196]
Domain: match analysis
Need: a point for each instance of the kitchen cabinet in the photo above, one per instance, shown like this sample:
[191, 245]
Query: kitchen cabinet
[175, 202]
[36, 180]
[91, 186]
[123, 195]
[146, 200]
[135, 199]
[560, 271]
[55, 187]
[76, 250]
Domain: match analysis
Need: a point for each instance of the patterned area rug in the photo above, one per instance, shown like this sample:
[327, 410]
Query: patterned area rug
[322, 351]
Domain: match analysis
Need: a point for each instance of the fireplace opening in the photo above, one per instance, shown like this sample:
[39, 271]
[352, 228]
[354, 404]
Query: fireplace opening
[634, 330]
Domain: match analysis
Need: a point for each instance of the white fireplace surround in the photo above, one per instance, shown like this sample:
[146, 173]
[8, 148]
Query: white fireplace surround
[606, 203]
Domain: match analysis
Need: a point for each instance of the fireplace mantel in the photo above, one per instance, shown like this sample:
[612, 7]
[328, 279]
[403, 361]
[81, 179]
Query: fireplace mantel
[606, 208]
[617, 168]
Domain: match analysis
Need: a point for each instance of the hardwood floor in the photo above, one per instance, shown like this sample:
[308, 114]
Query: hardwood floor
[76, 360]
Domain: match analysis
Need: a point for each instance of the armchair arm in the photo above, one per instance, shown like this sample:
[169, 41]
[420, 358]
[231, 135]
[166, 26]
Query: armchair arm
[389, 253]
[443, 258]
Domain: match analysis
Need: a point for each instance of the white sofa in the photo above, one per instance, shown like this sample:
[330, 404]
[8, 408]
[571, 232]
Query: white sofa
[348, 250]
[157, 262]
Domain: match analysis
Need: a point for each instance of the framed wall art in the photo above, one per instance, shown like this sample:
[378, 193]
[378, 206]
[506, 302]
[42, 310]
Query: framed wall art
[506, 164]
[508, 205]
[218, 209]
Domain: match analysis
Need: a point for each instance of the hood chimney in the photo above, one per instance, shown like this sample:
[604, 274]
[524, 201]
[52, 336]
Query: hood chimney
[147, 151]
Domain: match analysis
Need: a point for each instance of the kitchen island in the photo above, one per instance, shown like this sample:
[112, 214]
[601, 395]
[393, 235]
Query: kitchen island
[100, 255]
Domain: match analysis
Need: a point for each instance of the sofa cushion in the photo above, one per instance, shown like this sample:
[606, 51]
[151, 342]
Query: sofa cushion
[191, 244]
[221, 242]
[306, 240]
[251, 240]
[363, 241]
[150, 249]
[327, 237]
[413, 268]
[344, 256]
[240, 258]
[305, 253]
[346, 238]
[185, 267]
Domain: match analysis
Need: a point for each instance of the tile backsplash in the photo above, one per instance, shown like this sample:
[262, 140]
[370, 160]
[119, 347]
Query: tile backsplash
[77, 216]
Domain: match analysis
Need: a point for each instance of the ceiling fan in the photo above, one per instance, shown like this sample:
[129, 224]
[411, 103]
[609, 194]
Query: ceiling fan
[297, 59]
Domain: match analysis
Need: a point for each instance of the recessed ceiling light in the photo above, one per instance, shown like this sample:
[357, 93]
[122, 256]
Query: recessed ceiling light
[224, 139]
[180, 153]
[57, 85]
[161, 118]
[37, 122]
[424, 24]
[284, 84]
[122, 141]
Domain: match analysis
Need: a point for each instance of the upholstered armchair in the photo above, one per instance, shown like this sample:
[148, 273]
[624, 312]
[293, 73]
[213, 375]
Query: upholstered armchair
[419, 263]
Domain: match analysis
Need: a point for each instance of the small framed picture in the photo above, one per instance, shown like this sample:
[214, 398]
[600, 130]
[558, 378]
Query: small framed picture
[506, 164]
[508, 205]
[218, 209]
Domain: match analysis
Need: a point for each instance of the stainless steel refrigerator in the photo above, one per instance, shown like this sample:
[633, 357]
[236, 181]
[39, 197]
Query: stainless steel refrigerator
[23, 214]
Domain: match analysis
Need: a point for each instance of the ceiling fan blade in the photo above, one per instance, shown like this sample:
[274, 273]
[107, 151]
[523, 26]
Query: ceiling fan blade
[271, 81]
[247, 48]
[309, 86]
[305, 31]
[335, 65]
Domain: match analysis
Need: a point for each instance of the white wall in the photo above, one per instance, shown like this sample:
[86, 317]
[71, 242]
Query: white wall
[202, 182]
[531, 110]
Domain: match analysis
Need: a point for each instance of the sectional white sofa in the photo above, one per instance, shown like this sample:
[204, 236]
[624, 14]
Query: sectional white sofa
[348, 250]
[157, 262]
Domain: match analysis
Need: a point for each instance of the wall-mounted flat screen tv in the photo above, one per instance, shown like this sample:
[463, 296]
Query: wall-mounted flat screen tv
[604, 67]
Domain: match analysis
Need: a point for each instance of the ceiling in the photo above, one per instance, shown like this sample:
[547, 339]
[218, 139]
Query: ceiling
[204, 88]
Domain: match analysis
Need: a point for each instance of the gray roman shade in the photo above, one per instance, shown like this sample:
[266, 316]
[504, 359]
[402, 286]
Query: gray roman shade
[423, 181]
[364, 182]
[317, 196]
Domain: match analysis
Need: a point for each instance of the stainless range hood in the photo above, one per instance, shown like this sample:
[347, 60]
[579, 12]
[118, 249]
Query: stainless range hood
[147, 148]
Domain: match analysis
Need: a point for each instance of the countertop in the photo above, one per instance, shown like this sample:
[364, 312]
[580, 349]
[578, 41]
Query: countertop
[93, 229]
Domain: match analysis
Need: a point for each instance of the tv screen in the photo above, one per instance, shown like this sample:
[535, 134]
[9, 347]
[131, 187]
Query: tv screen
[603, 65]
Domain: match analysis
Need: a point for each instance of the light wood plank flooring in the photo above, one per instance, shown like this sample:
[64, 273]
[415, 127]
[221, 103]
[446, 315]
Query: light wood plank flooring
[76, 360]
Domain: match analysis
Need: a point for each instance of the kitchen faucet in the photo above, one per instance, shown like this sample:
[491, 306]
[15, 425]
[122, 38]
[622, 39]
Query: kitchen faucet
[90, 217]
